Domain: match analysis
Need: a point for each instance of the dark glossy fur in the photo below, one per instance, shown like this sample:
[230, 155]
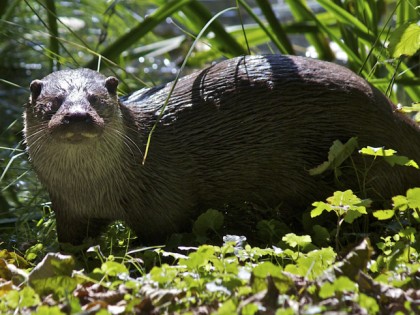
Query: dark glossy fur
[246, 129]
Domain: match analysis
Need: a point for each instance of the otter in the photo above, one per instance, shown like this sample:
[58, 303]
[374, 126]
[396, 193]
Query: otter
[245, 129]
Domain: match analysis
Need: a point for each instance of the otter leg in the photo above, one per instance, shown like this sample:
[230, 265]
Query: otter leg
[74, 230]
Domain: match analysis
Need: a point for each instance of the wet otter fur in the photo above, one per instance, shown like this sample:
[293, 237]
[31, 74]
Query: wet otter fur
[246, 129]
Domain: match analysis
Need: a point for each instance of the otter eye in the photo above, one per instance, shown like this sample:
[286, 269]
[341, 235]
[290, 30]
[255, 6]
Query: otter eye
[93, 99]
[59, 100]
[56, 103]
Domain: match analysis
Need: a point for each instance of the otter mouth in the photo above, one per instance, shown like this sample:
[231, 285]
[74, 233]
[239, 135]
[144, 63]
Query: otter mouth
[77, 137]
[76, 128]
[75, 133]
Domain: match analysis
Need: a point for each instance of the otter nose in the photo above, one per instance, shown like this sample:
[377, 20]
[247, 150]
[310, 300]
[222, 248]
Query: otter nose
[78, 118]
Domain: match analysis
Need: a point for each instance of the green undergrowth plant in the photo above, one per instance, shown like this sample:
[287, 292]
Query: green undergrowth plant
[345, 205]
[226, 279]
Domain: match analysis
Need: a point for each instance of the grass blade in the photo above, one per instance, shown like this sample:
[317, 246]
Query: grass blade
[318, 40]
[347, 18]
[223, 41]
[53, 31]
[113, 51]
[261, 24]
[198, 38]
[276, 27]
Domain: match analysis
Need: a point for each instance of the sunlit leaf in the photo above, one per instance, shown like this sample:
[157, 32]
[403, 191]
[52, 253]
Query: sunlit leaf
[266, 269]
[163, 274]
[319, 208]
[54, 264]
[400, 202]
[405, 40]
[48, 310]
[59, 286]
[313, 264]
[113, 268]
[383, 214]
[295, 240]
[341, 284]
[390, 156]
[413, 198]
[368, 303]
[380, 151]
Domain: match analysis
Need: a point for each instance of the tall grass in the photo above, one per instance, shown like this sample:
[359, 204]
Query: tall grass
[42, 32]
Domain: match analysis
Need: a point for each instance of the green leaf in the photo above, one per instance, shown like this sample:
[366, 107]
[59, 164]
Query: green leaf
[368, 303]
[265, 269]
[319, 208]
[54, 264]
[405, 40]
[346, 200]
[271, 229]
[320, 235]
[344, 203]
[199, 258]
[210, 220]
[250, 309]
[285, 311]
[113, 268]
[389, 155]
[401, 160]
[352, 215]
[60, 286]
[413, 198]
[341, 284]
[228, 308]
[27, 297]
[164, 274]
[408, 233]
[48, 310]
[337, 154]
[294, 240]
[195, 261]
[33, 251]
[384, 214]
[380, 151]
[313, 264]
[400, 202]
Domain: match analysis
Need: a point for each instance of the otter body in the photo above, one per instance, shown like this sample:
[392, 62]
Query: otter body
[246, 129]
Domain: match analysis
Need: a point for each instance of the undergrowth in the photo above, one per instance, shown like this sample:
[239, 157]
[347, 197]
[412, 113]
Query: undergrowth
[293, 277]
[296, 275]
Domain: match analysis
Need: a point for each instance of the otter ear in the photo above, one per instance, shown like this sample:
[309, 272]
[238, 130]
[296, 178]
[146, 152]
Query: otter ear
[111, 84]
[36, 87]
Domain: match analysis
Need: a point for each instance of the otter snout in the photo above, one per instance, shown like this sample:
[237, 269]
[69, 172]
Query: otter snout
[76, 125]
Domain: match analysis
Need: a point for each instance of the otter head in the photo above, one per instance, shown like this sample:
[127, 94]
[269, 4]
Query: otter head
[71, 106]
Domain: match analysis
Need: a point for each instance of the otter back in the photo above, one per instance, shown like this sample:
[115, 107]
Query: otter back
[246, 129]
